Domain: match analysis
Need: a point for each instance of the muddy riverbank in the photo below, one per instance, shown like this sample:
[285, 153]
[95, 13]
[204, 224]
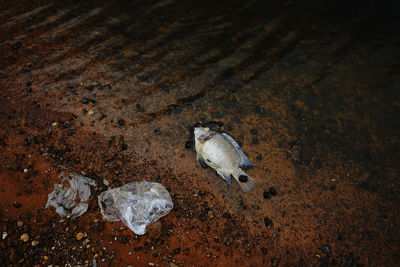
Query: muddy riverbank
[112, 90]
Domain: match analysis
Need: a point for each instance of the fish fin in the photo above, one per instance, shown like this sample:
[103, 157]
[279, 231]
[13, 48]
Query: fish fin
[201, 162]
[245, 182]
[245, 162]
[226, 177]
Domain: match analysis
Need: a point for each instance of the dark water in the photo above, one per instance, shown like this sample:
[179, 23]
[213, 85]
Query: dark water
[318, 81]
[334, 65]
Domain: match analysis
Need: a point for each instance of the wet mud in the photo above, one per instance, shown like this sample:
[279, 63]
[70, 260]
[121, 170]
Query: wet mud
[112, 90]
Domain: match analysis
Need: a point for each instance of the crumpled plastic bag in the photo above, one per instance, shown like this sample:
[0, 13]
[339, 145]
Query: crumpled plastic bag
[65, 199]
[136, 204]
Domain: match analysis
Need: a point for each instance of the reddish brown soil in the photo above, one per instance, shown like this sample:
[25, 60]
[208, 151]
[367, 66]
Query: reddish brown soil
[112, 91]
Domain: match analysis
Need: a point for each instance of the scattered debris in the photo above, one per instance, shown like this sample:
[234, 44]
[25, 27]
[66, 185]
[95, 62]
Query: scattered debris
[64, 199]
[136, 204]
[79, 236]
[24, 237]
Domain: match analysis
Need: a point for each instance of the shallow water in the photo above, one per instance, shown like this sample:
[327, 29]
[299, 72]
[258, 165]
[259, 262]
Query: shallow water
[309, 89]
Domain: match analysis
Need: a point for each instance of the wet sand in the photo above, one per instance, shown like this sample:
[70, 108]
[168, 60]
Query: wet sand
[112, 90]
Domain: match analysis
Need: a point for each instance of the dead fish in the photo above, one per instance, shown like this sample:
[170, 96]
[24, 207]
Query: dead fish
[223, 154]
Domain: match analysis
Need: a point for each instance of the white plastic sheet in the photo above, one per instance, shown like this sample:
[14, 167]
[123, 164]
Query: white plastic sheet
[136, 204]
[64, 199]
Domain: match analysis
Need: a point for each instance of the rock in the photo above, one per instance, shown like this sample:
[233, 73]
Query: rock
[20, 223]
[267, 221]
[255, 141]
[326, 249]
[226, 215]
[266, 195]
[137, 249]
[4, 236]
[13, 165]
[264, 251]
[210, 214]
[272, 191]
[34, 243]
[243, 178]
[16, 45]
[17, 205]
[176, 251]
[79, 236]
[154, 230]
[24, 237]
[189, 144]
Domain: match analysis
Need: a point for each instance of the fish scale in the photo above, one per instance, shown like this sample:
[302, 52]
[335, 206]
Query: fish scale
[221, 152]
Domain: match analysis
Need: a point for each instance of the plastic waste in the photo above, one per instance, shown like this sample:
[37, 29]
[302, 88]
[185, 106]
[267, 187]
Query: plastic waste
[64, 199]
[136, 204]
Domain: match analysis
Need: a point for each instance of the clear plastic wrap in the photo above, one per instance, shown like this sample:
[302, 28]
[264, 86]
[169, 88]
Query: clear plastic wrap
[136, 204]
[64, 199]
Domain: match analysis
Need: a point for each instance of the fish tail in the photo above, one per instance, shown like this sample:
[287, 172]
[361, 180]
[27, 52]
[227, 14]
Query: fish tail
[245, 181]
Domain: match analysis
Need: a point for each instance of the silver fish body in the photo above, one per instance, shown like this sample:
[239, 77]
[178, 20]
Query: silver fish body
[223, 154]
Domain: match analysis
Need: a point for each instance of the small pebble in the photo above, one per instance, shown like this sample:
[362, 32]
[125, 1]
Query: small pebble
[20, 223]
[326, 249]
[255, 141]
[267, 221]
[54, 124]
[210, 214]
[17, 205]
[243, 178]
[4, 236]
[264, 251]
[35, 243]
[188, 144]
[272, 191]
[16, 46]
[25, 237]
[226, 215]
[13, 165]
[176, 251]
[106, 182]
[91, 112]
[79, 236]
